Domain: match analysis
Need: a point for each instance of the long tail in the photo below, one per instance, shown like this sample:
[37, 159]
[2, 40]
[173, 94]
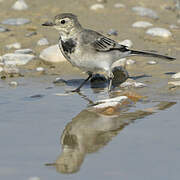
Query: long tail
[149, 54]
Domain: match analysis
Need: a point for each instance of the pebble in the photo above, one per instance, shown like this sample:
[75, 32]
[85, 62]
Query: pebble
[120, 62]
[141, 24]
[11, 69]
[161, 32]
[119, 5]
[127, 43]
[3, 29]
[40, 69]
[16, 21]
[59, 80]
[20, 5]
[151, 62]
[52, 54]
[24, 51]
[43, 42]
[17, 59]
[13, 83]
[31, 34]
[96, 7]
[111, 102]
[173, 26]
[175, 83]
[131, 83]
[34, 178]
[176, 76]
[14, 45]
[145, 12]
[130, 62]
[1, 69]
[112, 32]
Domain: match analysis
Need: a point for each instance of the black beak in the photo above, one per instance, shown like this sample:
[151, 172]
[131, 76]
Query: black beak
[48, 24]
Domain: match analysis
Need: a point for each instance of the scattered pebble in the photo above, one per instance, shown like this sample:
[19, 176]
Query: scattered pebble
[151, 62]
[40, 69]
[34, 178]
[176, 76]
[14, 45]
[59, 80]
[96, 7]
[173, 26]
[23, 51]
[1, 69]
[43, 42]
[13, 83]
[120, 62]
[131, 83]
[3, 29]
[112, 32]
[141, 24]
[20, 5]
[175, 83]
[161, 32]
[17, 59]
[130, 62]
[119, 5]
[52, 54]
[145, 12]
[11, 69]
[31, 34]
[16, 21]
[127, 43]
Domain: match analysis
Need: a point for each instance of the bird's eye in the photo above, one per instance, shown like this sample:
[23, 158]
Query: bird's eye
[63, 21]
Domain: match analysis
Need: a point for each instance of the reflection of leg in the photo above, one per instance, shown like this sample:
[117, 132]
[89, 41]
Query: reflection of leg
[110, 77]
[81, 85]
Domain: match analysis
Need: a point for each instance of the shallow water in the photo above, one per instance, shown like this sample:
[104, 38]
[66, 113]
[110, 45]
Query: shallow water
[137, 144]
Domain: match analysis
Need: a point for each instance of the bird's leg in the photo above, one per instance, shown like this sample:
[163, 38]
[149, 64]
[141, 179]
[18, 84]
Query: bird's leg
[81, 85]
[110, 78]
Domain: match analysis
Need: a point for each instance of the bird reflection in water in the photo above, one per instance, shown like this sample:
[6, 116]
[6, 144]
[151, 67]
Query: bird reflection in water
[93, 128]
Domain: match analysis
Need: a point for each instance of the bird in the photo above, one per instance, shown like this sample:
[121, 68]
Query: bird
[89, 50]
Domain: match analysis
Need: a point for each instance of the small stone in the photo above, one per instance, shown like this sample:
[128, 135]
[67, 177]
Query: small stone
[20, 5]
[34, 178]
[119, 5]
[16, 21]
[141, 24]
[13, 83]
[131, 84]
[11, 69]
[173, 26]
[161, 32]
[127, 43]
[40, 69]
[130, 62]
[96, 7]
[31, 34]
[17, 59]
[175, 83]
[112, 32]
[151, 62]
[120, 62]
[52, 54]
[23, 51]
[102, 1]
[3, 29]
[176, 76]
[1, 69]
[43, 42]
[145, 12]
[59, 80]
[14, 45]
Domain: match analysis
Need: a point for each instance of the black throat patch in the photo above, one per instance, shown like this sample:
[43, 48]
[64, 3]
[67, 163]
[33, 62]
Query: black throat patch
[68, 46]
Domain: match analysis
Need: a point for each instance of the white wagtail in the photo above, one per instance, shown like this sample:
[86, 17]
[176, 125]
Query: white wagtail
[90, 50]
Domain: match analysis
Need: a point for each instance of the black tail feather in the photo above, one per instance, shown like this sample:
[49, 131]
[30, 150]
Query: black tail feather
[150, 54]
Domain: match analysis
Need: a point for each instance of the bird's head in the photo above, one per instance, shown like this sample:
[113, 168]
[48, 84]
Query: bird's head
[64, 23]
